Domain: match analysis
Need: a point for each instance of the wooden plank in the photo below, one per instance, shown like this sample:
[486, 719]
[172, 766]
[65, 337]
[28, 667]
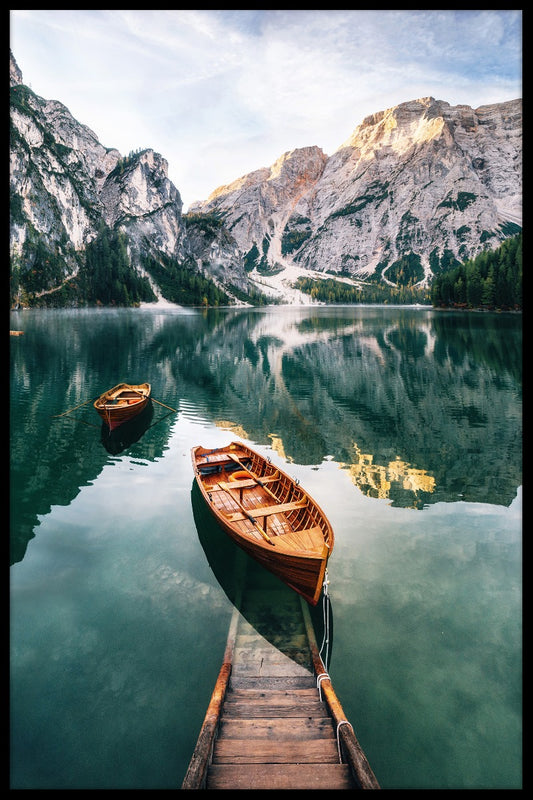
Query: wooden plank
[205, 459]
[308, 539]
[297, 641]
[277, 729]
[251, 663]
[282, 508]
[259, 751]
[287, 682]
[268, 478]
[280, 776]
[264, 511]
[226, 486]
[275, 695]
[241, 709]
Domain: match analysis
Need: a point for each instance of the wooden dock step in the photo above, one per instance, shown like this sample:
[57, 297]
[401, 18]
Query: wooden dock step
[289, 776]
[274, 731]
[268, 726]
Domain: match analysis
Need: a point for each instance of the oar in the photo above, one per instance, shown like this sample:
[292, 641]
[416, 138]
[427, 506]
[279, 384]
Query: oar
[164, 406]
[256, 479]
[263, 533]
[92, 399]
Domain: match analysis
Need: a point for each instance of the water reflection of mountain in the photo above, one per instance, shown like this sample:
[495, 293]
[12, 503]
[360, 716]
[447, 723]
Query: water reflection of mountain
[74, 457]
[426, 410]
[65, 360]
[418, 406]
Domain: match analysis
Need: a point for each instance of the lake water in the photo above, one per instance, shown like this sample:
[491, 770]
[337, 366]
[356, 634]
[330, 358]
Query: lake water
[404, 424]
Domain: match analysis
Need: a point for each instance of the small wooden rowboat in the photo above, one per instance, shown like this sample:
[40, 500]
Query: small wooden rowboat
[122, 403]
[267, 513]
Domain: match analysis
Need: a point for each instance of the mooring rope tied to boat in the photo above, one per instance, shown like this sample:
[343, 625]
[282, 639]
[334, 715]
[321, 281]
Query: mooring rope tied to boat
[323, 676]
[84, 422]
[325, 619]
[342, 722]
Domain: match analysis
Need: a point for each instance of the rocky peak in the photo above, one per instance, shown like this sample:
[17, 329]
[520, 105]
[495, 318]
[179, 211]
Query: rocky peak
[138, 197]
[15, 74]
[424, 178]
[253, 206]
[138, 185]
[409, 125]
[398, 127]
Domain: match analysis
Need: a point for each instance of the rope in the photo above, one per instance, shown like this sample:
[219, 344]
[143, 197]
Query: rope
[325, 641]
[326, 619]
[320, 678]
[342, 722]
[90, 424]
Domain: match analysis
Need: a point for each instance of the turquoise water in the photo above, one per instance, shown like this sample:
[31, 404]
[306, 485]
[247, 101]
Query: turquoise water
[404, 424]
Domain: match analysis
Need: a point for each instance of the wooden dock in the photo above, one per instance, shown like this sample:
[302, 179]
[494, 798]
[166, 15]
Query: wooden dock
[274, 721]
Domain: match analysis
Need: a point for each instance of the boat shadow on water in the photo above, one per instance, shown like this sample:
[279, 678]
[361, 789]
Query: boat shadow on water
[271, 607]
[119, 439]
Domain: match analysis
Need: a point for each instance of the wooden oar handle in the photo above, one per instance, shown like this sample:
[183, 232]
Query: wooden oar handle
[75, 407]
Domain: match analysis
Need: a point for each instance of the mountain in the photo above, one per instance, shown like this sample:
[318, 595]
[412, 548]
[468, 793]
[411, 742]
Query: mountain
[413, 190]
[65, 186]
[423, 180]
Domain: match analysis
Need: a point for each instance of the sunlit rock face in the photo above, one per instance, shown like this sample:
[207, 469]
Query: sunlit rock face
[423, 177]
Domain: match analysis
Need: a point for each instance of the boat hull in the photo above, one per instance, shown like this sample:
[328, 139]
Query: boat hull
[122, 403]
[267, 514]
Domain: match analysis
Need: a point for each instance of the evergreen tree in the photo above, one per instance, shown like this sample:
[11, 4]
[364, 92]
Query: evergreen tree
[491, 280]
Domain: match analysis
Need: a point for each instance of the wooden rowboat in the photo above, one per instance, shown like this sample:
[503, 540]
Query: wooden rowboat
[267, 513]
[123, 402]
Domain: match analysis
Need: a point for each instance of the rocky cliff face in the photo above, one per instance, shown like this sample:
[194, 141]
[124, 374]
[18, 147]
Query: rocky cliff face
[65, 184]
[55, 178]
[423, 180]
[138, 197]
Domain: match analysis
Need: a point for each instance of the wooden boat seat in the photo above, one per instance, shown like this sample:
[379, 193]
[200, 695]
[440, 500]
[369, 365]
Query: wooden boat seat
[218, 458]
[265, 511]
[281, 508]
[123, 401]
[244, 484]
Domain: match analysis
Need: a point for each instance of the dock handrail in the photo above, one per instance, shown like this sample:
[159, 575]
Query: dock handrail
[196, 774]
[351, 749]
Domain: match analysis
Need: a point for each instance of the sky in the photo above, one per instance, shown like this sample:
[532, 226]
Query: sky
[220, 94]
